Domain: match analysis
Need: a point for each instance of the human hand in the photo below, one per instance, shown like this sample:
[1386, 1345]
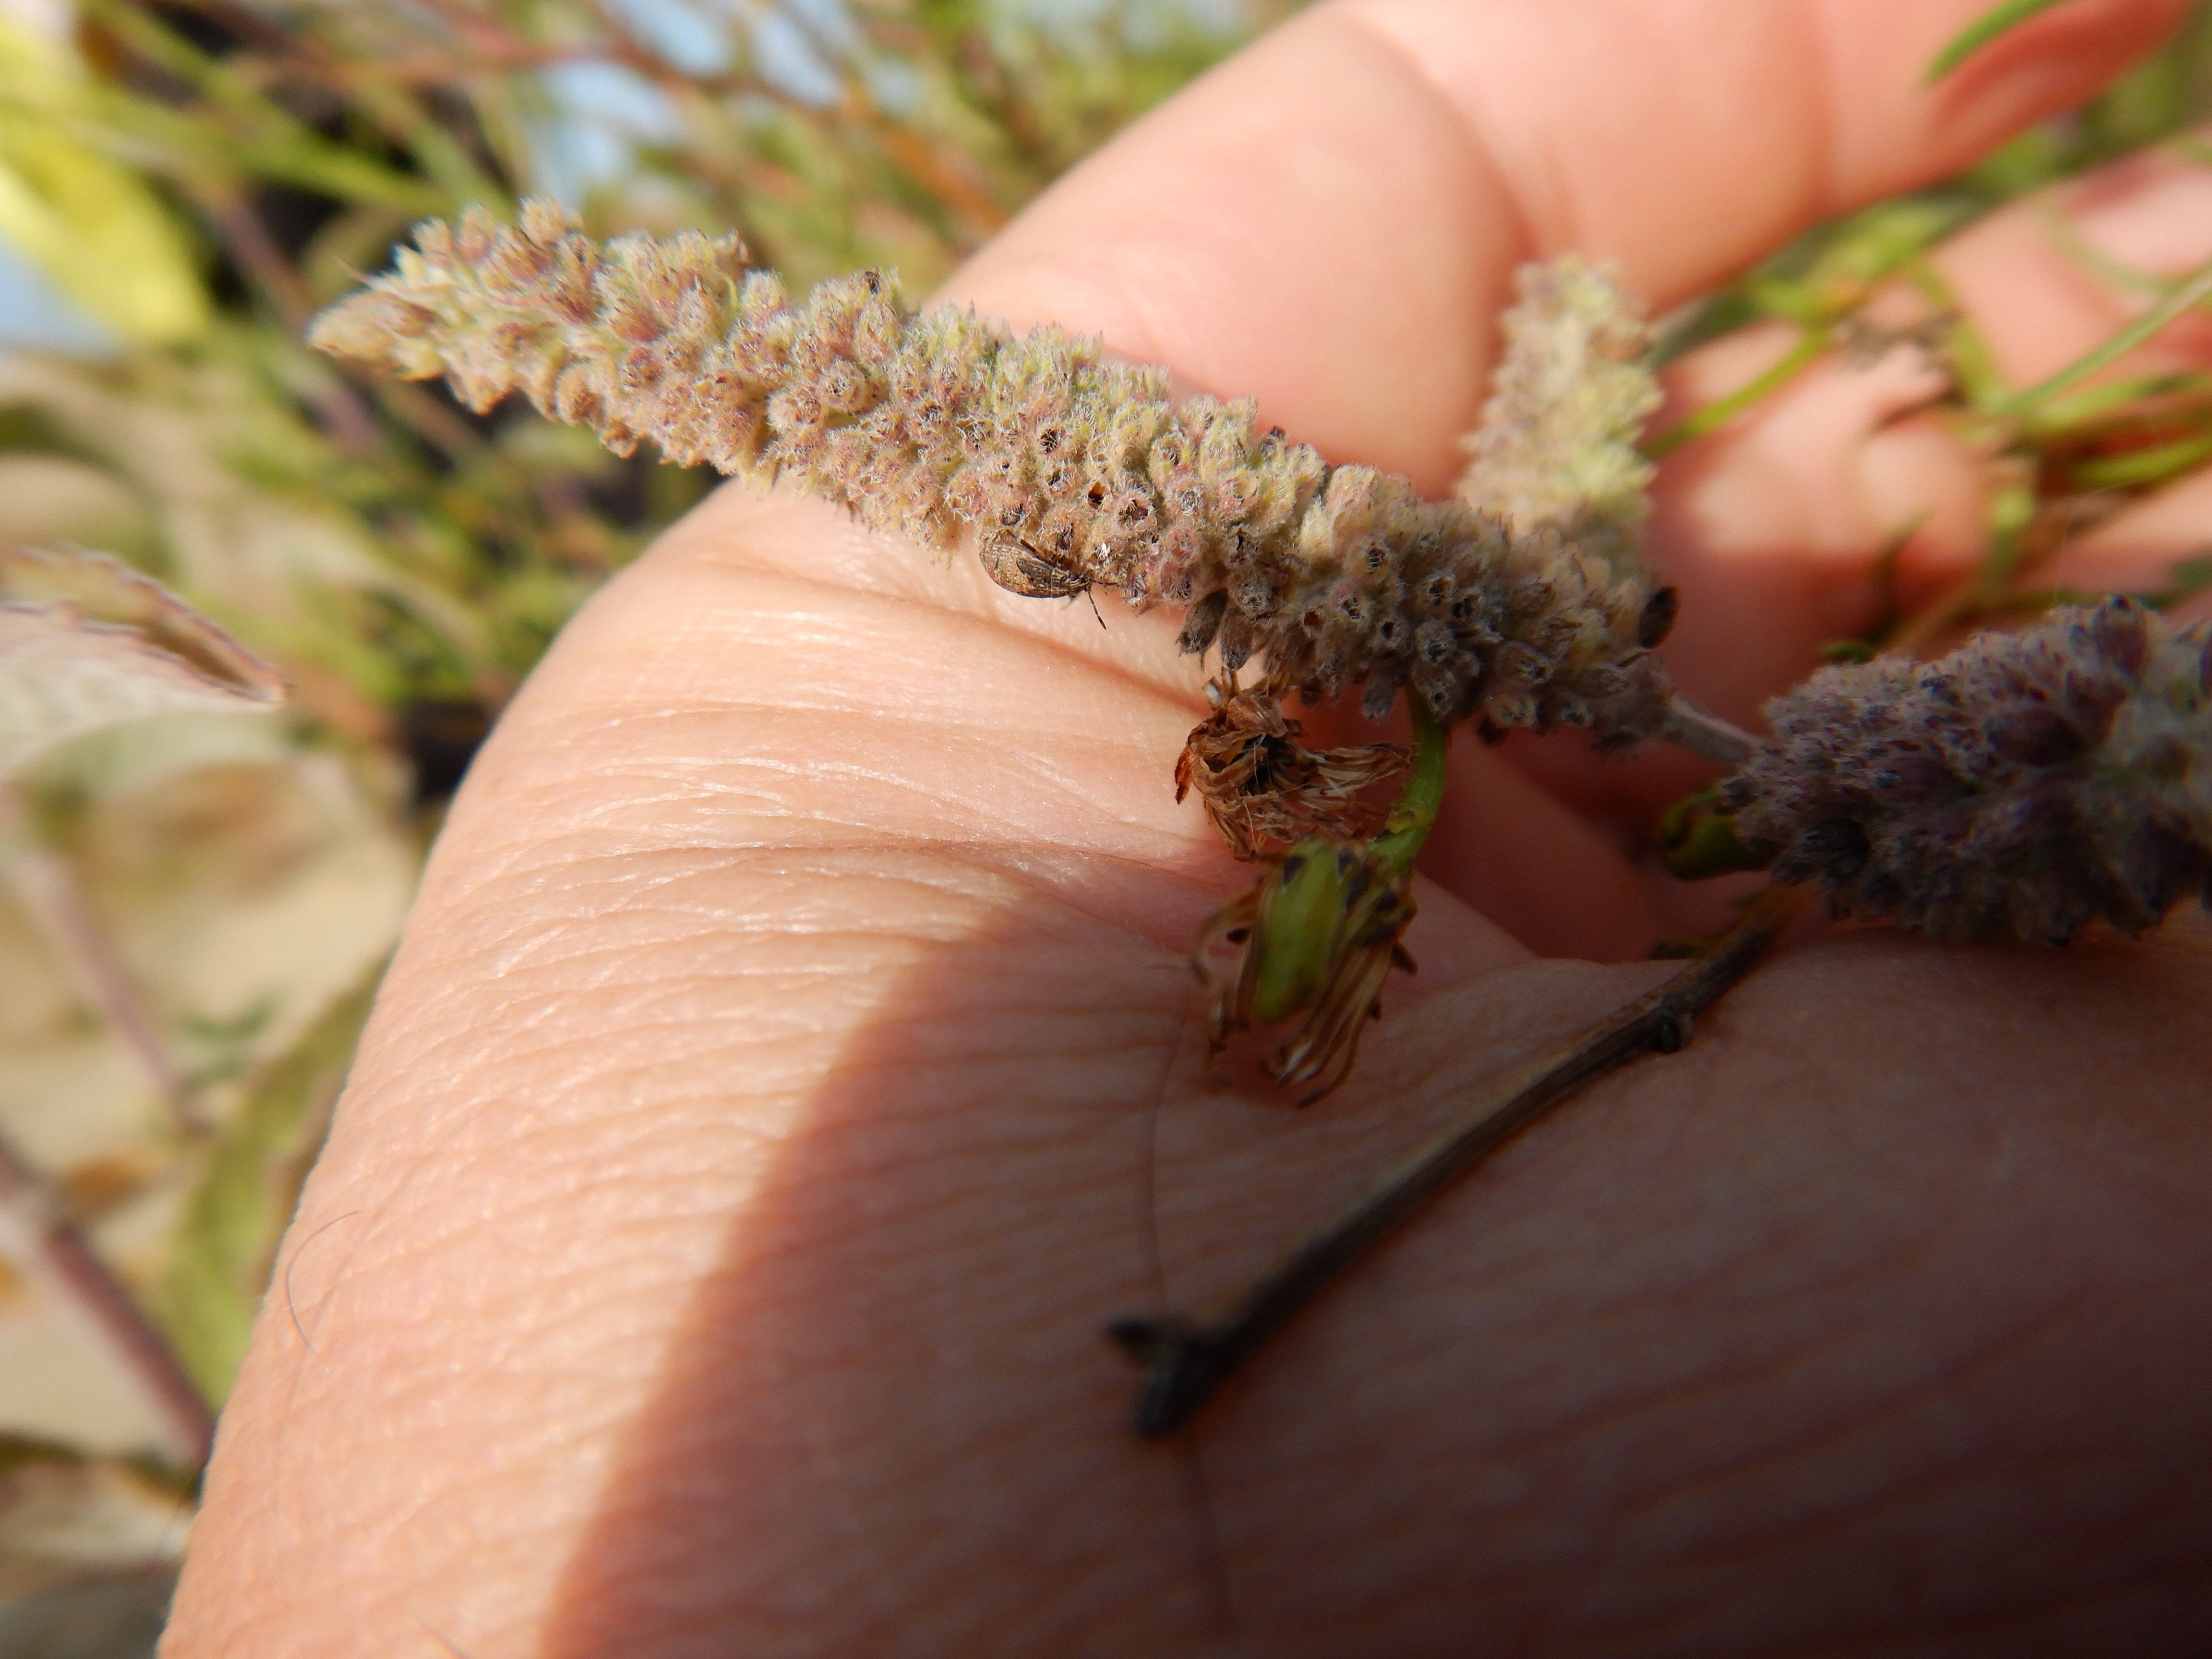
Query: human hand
[793, 1061]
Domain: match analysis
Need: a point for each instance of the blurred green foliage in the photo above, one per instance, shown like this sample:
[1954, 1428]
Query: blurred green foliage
[2069, 451]
[1828, 273]
[198, 178]
[202, 176]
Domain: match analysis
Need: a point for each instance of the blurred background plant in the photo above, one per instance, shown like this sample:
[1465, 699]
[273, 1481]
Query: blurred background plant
[196, 902]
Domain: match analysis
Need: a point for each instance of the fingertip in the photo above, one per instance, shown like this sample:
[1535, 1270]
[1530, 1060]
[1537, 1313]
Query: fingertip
[1306, 225]
[1329, 221]
[2050, 62]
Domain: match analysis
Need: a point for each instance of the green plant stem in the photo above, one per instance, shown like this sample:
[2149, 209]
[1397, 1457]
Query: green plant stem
[2145, 467]
[1718, 413]
[1999, 20]
[1965, 353]
[46, 889]
[1415, 813]
[2183, 296]
[1188, 1360]
[1690, 727]
[267, 139]
[2118, 400]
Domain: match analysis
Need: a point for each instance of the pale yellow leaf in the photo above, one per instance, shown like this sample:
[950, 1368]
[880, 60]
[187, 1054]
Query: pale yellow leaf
[92, 225]
[86, 642]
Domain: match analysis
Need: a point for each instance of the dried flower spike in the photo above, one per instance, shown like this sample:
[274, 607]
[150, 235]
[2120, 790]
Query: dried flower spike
[1557, 446]
[2023, 787]
[88, 642]
[1069, 470]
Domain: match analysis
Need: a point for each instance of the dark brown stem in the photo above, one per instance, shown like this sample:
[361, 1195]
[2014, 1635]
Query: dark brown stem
[46, 887]
[37, 1234]
[1188, 1360]
[256, 253]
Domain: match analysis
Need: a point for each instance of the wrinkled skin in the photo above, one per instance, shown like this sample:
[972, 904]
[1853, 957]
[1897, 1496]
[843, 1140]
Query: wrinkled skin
[791, 1064]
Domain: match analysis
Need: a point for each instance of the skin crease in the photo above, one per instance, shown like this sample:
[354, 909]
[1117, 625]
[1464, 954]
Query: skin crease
[790, 1063]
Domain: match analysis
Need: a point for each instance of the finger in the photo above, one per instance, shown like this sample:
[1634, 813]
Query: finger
[1845, 495]
[2144, 548]
[1329, 222]
[1803, 496]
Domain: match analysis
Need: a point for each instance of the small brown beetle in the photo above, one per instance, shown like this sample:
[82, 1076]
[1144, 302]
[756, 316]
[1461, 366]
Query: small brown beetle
[1020, 568]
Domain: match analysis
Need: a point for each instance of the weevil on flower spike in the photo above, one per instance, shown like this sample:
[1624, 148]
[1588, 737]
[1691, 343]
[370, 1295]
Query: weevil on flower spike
[1519, 603]
[1066, 470]
[1522, 603]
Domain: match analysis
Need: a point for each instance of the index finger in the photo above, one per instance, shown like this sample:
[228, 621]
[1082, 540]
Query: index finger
[1330, 220]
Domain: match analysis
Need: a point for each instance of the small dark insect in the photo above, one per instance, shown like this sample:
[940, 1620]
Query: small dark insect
[1022, 567]
[1019, 568]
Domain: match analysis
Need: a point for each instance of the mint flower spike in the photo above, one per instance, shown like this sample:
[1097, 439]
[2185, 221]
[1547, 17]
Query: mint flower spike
[1556, 451]
[1068, 471]
[2022, 787]
[1557, 447]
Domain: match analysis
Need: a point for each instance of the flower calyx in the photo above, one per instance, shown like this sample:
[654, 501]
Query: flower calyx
[1314, 937]
[1263, 788]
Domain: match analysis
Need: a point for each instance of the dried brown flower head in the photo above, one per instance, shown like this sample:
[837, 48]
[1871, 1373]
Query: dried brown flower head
[1264, 789]
[1070, 470]
[2022, 786]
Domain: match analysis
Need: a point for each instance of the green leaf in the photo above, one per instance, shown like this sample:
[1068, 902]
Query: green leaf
[1719, 412]
[2183, 296]
[1988, 27]
[2188, 578]
[2082, 408]
[220, 1265]
[2145, 467]
[1698, 839]
[1874, 243]
[1850, 651]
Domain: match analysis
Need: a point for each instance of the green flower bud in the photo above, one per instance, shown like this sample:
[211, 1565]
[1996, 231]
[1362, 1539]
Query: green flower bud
[1316, 936]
